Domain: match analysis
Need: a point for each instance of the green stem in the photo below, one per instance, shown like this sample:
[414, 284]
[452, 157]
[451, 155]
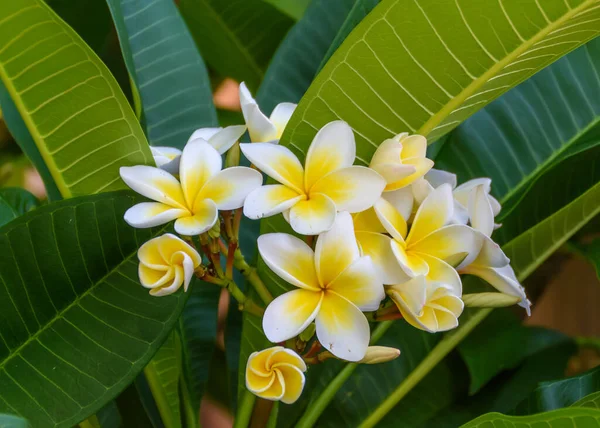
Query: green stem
[244, 413]
[442, 349]
[245, 302]
[588, 342]
[190, 412]
[318, 406]
[251, 275]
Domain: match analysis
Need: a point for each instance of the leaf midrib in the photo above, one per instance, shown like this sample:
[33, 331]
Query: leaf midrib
[476, 84]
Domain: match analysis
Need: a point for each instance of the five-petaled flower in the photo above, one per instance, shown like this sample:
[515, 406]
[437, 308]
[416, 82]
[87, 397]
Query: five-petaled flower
[204, 190]
[276, 374]
[329, 183]
[428, 305]
[334, 284]
[166, 263]
[263, 129]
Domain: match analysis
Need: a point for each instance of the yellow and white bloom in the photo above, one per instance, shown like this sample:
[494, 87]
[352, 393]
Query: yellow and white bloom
[193, 203]
[427, 305]
[276, 374]
[166, 158]
[432, 247]
[167, 263]
[263, 129]
[334, 285]
[401, 160]
[491, 263]
[329, 183]
[220, 138]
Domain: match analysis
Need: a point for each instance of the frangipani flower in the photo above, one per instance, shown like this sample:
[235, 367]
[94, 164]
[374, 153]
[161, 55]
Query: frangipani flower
[204, 190]
[263, 129]
[427, 305]
[491, 263]
[220, 138]
[276, 374]
[167, 262]
[432, 247]
[334, 285]
[401, 160]
[166, 158]
[329, 183]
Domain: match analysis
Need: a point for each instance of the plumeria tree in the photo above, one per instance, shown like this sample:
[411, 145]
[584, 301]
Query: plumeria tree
[363, 228]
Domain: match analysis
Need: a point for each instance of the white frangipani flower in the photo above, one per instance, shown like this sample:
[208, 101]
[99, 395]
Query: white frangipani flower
[329, 183]
[263, 129]
[335, 284]
[193, 203]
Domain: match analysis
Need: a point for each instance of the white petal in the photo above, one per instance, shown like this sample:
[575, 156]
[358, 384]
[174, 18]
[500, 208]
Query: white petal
[413, 146]
[173, 287]
[154, 183]
[230, 187]
[360, 285]
[394, 172]
[289, 314]
[411, 295]
[421, 189]
[281, 116]
[203, 134]
[290, 258]
[455, 244]
[277, 162]
[270, 200]
[188, 270]
[342, 328]
[377, 246]
[225, 138]
[260, 127]
[205, 216]
[245, 95]
[352, 189]
[480, 211]
[167, 158]
[491, 255]
[336, 249]
[388, 152]
[313, 216]
[332, 148]
[150, 214]
[402, 199]
[442, 272]
[437, 177]
[496, 207]
[461, 193]
[435, 212]
[199, 163]
[391, 219]
[460, 215]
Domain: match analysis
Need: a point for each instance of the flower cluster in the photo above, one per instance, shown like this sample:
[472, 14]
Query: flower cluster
[382, 242]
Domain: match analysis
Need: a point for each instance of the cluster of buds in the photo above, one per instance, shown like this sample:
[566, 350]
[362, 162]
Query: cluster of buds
[382, 242]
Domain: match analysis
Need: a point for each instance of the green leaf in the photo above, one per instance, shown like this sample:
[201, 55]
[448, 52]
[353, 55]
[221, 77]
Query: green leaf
[592, 400]
[167, 69]
[77, 115]
[486, 358]
[297, 59]
[572, 417]
[590, 251]
[238, 37]
[76, 325]
[21, 134]
[10, 421]
[15, 202]
[560, 393]
[425, 67]
[293, 8]
[162, 373]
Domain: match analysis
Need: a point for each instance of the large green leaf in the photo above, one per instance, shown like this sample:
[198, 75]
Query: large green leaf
[293, 8]
[573, 417]
[297, 59]
[167, 69]
[426, 66]
[237, 37]
[15, 202]
[75, 324]
[592, 400]
[77, 115]
[560, 393]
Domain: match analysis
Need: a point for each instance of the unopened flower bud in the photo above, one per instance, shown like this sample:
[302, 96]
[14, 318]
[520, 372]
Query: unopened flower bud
[489, 300]
[233, 156]
[380, 354]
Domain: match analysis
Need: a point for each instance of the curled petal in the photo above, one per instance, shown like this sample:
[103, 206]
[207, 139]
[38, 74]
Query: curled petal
[352, 189]
[413, 146]
[420, 166]
[394, 173]
[230, 187]
[403, 200]
[154, 183]
[270, 200]
[411, 263]
[393, 222]
[336, 249]
[277, 162]
[442, 272]
[294, 382]
[453, 244]
[435, 212]
[289, 314]
[388, 152]
[290, 258]
[378, 247]
[480, 211]
[281, 116]
[462, 192]
[410, 296]
[227, 137]
[260, 128]
[205, 216]
[342, 328]
[332, 148]
[167, 158]
[199, 163]
[491, 255]
[313, 216]
[360, 285]
[150, 214]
